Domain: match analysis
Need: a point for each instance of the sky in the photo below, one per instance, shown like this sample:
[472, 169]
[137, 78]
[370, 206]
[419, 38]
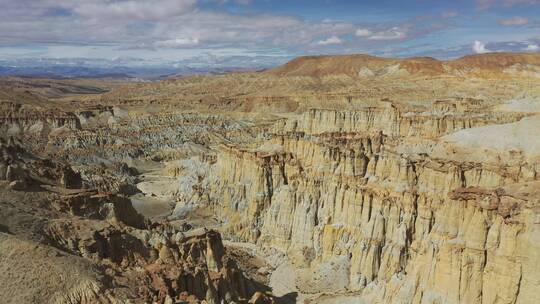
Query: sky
[255, 33]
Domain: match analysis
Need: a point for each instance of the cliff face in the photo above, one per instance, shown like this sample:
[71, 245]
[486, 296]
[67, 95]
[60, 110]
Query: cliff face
[415, 222]
[389, 120]
[18, 118]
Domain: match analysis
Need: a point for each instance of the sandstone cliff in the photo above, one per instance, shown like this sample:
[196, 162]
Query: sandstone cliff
[414, 222]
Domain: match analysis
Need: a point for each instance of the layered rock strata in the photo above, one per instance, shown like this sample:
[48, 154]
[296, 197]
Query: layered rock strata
[414, 222]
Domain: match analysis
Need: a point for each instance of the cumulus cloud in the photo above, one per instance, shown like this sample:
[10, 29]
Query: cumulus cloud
[514, 21]
[330, 41]
[480, 47]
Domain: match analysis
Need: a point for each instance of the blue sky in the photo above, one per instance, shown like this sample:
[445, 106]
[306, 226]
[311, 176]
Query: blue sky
[258, 32]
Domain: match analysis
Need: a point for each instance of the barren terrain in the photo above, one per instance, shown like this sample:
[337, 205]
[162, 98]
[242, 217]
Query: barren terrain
[330, 179]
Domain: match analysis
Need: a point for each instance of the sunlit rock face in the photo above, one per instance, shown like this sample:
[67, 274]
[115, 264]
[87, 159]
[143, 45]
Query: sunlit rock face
[418, 220]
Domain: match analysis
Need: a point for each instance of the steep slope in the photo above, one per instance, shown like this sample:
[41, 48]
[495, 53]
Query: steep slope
[373, 195]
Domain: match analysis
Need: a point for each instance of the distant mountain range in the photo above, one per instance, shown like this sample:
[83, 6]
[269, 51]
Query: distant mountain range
[63, 71]
[132, 67]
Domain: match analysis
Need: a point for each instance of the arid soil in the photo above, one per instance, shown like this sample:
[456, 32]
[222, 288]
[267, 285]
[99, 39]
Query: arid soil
[330, 179]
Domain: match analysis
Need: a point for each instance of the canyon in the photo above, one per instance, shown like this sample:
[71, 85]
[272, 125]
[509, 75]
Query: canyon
[330, 179]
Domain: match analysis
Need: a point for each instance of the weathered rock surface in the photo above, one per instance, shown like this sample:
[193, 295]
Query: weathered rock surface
[415, 225]
[63, 245]
[354, 179]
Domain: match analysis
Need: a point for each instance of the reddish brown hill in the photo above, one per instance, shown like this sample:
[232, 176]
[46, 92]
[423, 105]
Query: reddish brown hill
[423, 65]
[353, 65]
[495, 61]
[317, 66]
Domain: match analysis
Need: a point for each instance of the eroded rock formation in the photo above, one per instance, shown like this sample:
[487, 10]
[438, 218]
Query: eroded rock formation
[329, 179]
[84, 247]
[415, 222]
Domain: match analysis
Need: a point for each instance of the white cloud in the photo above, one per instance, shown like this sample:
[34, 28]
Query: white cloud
[394, 33]
[151, 24]
[178, 42]
[330, 41]
[480, 47]
[363, 32]
[133, 9]
[161, 28]
[133, 28]
[514, 21]
[532, 48]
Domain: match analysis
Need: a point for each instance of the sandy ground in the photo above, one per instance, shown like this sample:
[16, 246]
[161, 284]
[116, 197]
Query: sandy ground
[35, 273]
[283, 284]
[156, 197]
[339, 299]
[151, 206]
[285, 278]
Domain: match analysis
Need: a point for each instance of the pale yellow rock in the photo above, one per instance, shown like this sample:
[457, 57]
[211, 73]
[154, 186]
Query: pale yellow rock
[355, 195]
